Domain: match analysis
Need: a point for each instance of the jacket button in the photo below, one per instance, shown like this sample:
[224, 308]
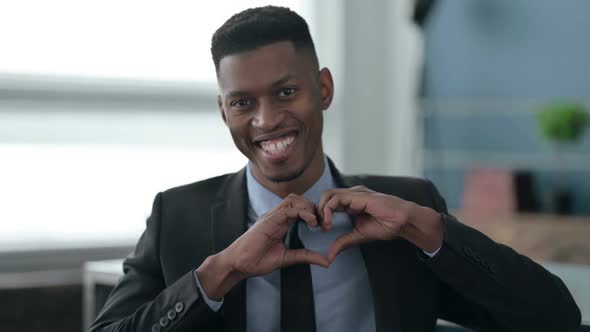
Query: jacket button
[179, 307]
[171, 314]
[156, 328]
[492, 269]
[468, 251]
[164, 322]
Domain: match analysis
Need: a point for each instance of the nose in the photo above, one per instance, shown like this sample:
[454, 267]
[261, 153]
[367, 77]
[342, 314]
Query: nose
[267, 116]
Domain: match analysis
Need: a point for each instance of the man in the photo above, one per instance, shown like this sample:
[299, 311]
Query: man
[264, 249]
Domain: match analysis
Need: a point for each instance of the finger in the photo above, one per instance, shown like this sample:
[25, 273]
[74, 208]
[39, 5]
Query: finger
[309, 218]
[339, 202]
[326, 195]
[300, 202]
[361, 188]
[319, 218]
[291, 215]
[304, 256]
[327, 219]
[349, 202]
[343, 242]
[303, 203]
[325, 215]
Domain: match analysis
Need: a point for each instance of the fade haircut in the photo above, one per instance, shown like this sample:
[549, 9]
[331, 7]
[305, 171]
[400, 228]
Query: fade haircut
[257, 27]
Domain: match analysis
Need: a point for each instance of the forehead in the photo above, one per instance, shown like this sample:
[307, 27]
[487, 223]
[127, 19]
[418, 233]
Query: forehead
[261, 67]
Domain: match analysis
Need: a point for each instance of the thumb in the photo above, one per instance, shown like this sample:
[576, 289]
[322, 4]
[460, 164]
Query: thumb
[304, 256]
[343, 242]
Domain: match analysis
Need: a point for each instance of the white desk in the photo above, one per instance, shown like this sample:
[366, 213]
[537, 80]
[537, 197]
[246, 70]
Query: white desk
[95, 273]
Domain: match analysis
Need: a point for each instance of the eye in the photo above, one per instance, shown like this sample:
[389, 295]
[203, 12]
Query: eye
[286, 92]
[241, 103]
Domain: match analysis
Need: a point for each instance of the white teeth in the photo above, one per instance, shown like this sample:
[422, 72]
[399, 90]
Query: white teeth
[277, 145]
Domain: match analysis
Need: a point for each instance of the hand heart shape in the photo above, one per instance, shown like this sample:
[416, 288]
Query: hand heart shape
[375, 216]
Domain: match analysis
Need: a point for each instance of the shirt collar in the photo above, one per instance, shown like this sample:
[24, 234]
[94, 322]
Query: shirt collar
[263, 200]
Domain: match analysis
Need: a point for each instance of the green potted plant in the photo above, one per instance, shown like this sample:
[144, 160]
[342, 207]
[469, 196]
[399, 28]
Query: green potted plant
[563, 125]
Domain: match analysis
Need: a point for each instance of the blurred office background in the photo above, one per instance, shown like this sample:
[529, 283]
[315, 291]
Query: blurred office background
[105, 103]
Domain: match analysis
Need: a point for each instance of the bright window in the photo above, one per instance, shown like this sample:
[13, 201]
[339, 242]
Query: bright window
[148, 39]
[91, 194]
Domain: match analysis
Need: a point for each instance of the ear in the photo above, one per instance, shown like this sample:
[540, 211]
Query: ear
[326, 88]
[221, 109]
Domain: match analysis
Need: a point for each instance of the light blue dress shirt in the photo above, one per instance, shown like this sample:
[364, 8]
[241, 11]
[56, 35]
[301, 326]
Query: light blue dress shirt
[342, 294]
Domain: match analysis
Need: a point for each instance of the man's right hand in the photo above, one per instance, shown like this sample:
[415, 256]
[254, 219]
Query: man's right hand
[260, 250]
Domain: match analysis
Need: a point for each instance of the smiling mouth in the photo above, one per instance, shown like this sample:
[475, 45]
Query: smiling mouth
[278, 147]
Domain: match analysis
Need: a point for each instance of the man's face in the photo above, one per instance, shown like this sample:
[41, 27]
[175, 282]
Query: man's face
[272, 100]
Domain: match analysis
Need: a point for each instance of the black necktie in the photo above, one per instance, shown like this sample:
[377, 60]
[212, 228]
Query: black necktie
[297, 303]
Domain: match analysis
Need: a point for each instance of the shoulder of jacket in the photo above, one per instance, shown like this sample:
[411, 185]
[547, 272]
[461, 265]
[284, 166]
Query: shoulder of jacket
[382, 181]
[206, 187]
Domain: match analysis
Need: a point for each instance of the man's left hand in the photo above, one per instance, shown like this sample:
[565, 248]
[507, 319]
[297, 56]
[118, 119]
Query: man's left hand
[380, 217]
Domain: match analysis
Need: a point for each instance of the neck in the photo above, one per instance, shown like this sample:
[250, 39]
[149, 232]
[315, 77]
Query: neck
[302, 183]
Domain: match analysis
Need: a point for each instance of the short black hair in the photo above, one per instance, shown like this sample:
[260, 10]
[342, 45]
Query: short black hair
[256, 27]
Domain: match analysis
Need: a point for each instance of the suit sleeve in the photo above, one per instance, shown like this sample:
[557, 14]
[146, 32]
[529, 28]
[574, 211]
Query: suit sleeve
[142, 301]
[488, 286]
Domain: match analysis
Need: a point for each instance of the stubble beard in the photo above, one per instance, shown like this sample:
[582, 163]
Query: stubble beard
[288, 177]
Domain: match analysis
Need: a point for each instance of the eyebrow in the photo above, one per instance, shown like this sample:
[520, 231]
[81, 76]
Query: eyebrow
[237, 94]
[274, 84]
[282, 80]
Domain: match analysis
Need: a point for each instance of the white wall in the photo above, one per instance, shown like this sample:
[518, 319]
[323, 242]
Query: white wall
[376, 54]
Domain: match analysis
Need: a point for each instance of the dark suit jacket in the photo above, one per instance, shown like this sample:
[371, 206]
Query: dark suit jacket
[472, 281]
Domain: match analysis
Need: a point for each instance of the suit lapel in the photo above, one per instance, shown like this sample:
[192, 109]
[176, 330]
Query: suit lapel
[228, 222]
[380, 262]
